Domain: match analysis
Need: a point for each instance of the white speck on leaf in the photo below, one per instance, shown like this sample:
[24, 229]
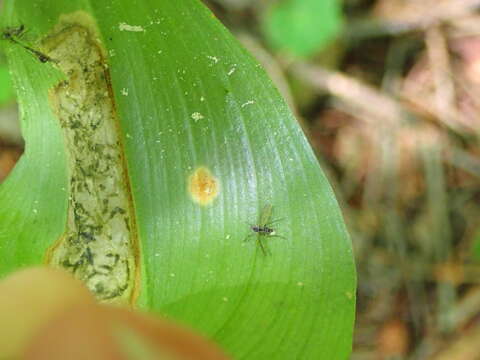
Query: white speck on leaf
[125, 92]
[213, 58]
[249, 102]
[197, 116]
[232, 70]
[133, 28]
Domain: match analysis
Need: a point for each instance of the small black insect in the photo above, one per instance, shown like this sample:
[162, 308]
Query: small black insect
[10, 33]
[14, 34]
[263, 229]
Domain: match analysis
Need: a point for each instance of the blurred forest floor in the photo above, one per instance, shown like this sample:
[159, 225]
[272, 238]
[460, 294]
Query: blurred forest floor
[392, 108]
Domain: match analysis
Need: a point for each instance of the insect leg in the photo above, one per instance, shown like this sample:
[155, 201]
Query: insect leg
[248, 236]
[261, 246]
[280, 236]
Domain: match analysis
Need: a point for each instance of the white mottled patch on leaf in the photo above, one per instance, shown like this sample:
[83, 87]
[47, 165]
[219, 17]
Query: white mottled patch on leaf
[132, 28]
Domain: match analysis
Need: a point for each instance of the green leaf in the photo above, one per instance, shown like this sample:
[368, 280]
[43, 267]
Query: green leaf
[6, 89]
[157, 166]
[302, 27]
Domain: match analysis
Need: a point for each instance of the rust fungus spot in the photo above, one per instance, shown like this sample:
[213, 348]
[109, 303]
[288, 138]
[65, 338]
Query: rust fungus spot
[203, 186]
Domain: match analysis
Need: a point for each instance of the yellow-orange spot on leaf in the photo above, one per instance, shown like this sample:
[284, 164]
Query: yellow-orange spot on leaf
[203, 186]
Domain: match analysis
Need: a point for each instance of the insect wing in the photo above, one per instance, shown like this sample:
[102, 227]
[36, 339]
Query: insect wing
[265, 215]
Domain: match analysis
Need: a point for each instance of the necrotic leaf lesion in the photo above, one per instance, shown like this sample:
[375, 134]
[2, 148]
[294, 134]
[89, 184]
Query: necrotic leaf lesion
[98, 246]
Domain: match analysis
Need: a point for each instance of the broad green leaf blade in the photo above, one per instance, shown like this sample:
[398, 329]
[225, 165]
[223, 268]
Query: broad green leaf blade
[302, 27]
[33, 199]
[6, 90]
[208, 143]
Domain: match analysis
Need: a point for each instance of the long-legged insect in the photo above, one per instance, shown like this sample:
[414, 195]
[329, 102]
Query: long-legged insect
[263, 229]
[13, 34]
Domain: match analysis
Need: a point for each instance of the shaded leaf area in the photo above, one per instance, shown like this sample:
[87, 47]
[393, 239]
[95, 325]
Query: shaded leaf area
[187, 97]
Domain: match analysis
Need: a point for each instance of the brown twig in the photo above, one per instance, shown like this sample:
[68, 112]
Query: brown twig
[439, 63]
[360, 96]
